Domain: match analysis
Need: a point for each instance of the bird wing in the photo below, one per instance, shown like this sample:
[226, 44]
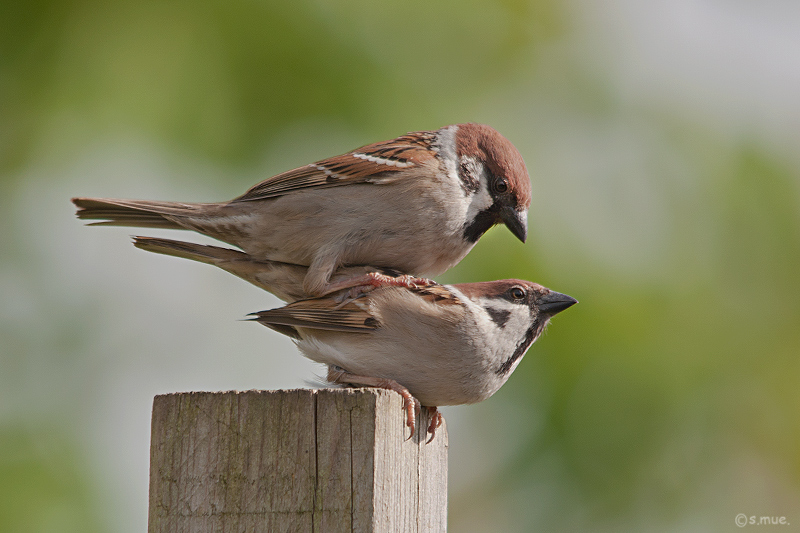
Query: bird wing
[438, 294]
[320, 313]
[374, 163]
[352, 316]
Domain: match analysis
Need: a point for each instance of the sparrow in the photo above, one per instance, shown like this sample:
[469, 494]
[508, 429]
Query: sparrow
[284, 280]
[436, 345]
[416, 204]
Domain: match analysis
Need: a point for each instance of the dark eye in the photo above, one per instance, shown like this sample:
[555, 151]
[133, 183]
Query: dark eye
[518, 293]
[500, 185]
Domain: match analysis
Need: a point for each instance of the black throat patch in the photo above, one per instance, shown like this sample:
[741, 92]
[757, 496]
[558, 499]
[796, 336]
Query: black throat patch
[474, 230]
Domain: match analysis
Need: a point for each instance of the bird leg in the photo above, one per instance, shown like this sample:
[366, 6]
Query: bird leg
[359, 285]
[410, 404]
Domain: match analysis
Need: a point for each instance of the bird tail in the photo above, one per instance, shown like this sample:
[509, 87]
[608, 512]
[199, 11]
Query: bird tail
[139, 213]
[284, 280]
[203, 253]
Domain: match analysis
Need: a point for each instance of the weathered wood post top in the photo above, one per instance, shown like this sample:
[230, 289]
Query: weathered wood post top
[329, 460]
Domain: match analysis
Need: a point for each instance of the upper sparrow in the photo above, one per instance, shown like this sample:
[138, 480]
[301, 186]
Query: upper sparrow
[416, 204]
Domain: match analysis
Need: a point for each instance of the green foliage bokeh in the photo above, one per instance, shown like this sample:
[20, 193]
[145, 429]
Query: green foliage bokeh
[667, 398]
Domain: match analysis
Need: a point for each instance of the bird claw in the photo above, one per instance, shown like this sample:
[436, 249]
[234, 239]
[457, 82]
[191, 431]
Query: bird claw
[411, 406]
[410, 282]
[436, 422]
[360, 285]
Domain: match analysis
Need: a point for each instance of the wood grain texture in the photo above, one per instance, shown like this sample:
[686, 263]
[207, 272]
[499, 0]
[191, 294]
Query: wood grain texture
[330, 460]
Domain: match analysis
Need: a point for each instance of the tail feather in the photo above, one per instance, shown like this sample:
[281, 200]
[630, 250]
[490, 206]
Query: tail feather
[284, 280]
[203, 253]
[139, 213]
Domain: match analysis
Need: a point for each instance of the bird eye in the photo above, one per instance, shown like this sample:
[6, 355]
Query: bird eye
[500, 185]
[518, 293]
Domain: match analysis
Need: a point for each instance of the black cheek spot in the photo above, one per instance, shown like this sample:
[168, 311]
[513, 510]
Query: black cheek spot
[474, 230]
[469, 182]
[499, 316]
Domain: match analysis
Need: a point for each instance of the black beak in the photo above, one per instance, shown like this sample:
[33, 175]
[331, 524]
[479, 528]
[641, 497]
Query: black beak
[554, 303]
[517, 221]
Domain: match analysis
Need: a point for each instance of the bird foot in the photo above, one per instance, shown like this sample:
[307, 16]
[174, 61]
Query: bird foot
[411, 405]
[359, 285]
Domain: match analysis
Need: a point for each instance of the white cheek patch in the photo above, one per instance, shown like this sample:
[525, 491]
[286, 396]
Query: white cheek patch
[478, 193]
[446, 146]
[518, 323]
[472, 173]
[481, 200]
[516, 319]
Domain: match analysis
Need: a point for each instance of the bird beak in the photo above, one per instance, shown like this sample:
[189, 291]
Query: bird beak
[517, 222]
[555, 302]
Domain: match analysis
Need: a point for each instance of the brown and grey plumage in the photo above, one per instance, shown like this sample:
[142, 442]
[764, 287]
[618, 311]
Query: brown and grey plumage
[434, 344]
[416, 204]
[284, 280]
[439, 344]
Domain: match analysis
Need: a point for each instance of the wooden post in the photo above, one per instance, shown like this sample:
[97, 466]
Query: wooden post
[330, 460]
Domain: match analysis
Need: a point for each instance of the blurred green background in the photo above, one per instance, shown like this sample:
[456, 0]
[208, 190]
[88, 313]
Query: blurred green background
[662, 142]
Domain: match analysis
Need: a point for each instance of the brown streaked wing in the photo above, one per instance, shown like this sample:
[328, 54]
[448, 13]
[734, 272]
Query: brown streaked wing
[320, 313]
[408, 150]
